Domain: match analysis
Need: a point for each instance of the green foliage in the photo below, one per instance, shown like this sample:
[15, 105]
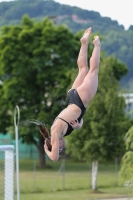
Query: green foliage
[34, 67]
[102, 135]
[35, 63]
[118, 68]
[126, 171]
[117, 41]
[129, 139]
[120, 45]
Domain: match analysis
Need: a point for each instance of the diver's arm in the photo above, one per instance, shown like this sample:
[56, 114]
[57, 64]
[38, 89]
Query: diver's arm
[54, 153]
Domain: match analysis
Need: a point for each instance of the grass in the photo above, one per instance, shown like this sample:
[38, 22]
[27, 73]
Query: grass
[74, 184]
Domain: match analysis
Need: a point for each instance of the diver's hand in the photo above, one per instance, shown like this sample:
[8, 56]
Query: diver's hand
[75, 124]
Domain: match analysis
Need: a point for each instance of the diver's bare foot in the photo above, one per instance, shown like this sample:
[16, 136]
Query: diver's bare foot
[96, 41]
[86, 37]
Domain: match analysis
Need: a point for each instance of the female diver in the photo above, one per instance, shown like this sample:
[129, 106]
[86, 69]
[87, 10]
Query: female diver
[83, 90]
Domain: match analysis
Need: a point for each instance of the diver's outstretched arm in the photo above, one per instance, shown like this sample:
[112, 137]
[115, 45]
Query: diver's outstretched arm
[54, 153]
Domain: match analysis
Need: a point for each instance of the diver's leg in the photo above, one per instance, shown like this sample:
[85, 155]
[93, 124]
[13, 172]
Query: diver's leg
[82, 60]
[89, 86]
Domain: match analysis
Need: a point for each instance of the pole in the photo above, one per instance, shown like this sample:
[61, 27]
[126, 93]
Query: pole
[34, 168]
[61, 169]
[116, 170]
[63, 174]
[16, 124]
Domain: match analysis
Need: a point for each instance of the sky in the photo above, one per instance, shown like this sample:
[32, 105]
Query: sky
[120, 10]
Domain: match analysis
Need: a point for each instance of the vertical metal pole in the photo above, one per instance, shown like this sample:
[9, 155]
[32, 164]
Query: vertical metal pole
[63, 174]
[16, 123]
[34, 168]
[57, 177]
[116, 170]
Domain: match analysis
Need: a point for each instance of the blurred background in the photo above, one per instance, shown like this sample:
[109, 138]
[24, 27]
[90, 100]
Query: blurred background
[39, 45]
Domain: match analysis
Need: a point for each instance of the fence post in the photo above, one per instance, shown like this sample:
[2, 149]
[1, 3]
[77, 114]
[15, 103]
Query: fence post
[16, 124]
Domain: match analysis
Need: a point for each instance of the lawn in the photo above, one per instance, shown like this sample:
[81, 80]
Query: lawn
[75, 183]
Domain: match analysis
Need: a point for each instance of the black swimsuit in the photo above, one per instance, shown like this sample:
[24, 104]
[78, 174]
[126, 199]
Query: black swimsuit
[74, 98]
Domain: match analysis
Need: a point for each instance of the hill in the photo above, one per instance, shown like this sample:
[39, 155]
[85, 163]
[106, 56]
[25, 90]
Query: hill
[116, 40]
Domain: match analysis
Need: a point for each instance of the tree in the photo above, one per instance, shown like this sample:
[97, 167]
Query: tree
[101, 137]
[117, 41]
[34, 62]
[126, 170]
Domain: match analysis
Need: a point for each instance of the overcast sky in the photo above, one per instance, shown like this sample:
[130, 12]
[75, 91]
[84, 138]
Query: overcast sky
[120, 10]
